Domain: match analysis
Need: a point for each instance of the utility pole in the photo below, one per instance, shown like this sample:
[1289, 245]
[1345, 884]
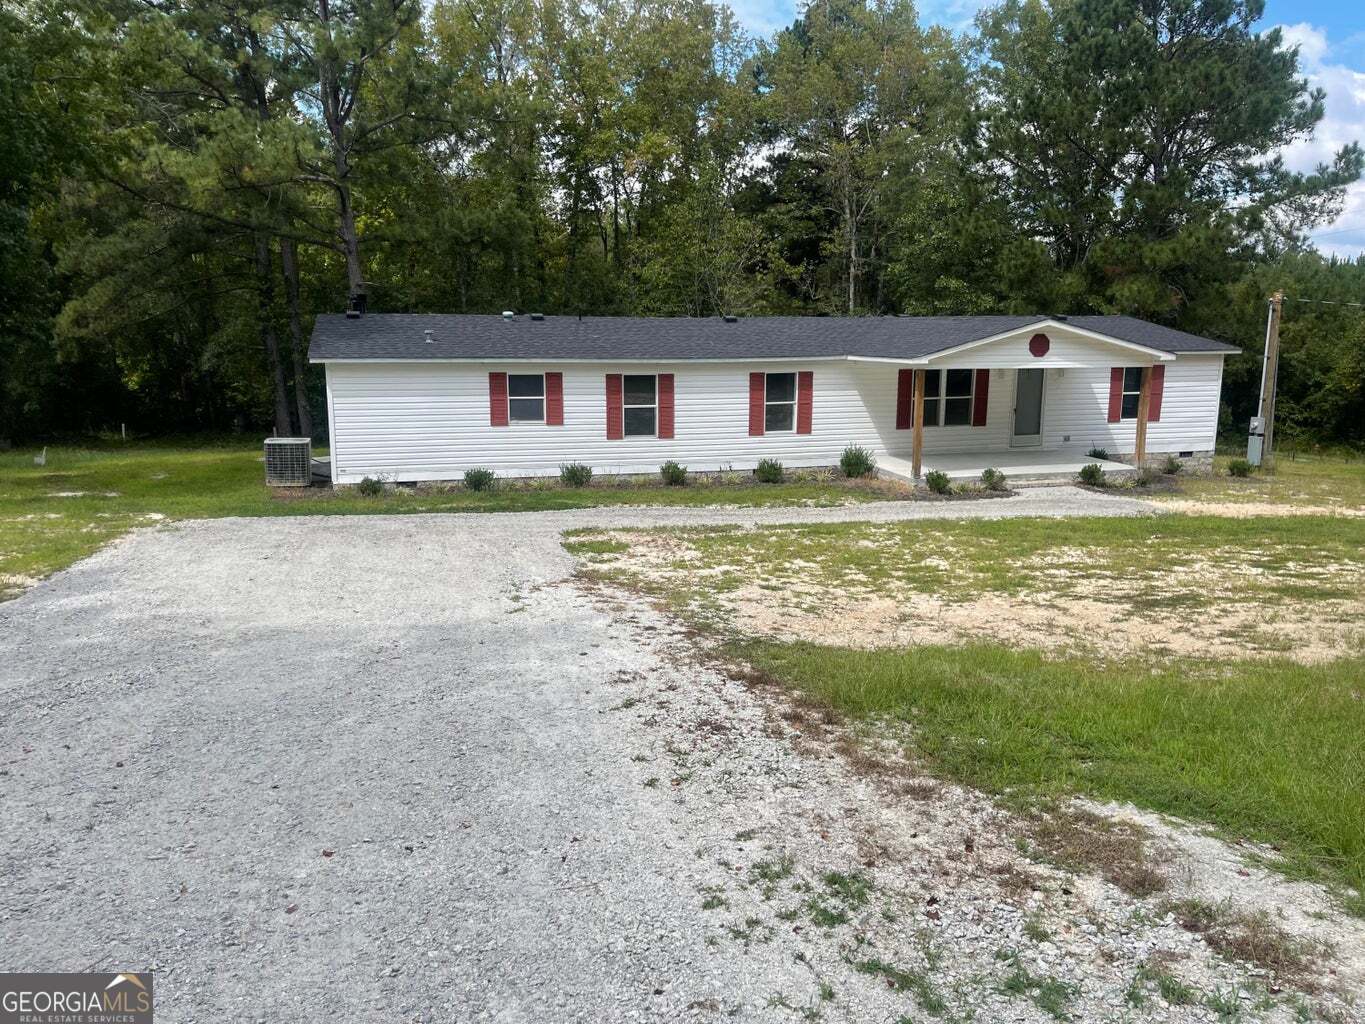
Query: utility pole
[1269, 374]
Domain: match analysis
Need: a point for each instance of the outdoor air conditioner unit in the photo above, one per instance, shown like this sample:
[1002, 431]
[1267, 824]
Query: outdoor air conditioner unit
[288, 461]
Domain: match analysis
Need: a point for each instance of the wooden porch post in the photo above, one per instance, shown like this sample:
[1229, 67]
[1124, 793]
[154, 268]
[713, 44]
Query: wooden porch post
[1144, 403]
[917, 436]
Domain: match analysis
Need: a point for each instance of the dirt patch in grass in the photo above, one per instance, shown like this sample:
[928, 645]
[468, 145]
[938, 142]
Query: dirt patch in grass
[878, 587]
[1253, 509]
[1120, 852]
[1052, 622]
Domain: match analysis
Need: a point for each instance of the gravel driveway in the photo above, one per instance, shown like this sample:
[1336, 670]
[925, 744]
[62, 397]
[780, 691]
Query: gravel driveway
[399, 769]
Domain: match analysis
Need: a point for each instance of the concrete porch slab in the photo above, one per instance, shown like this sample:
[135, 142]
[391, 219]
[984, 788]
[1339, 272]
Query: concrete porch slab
[1033, 466]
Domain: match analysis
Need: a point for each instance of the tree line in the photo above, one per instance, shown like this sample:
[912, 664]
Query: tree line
[187, 183]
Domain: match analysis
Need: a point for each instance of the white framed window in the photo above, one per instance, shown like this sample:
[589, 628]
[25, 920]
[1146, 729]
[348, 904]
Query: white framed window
[948, 397]
[526, 397]
[779, 403]
[640, 404]
[1132, 392]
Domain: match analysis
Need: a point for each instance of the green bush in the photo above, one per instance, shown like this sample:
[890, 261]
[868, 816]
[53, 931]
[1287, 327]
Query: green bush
[857, 461]
[575, 474]
[478, 479]
[992, 479]
[769, 471]
[1239, 467]
[1092, 475]
[1099, 453]
[1171, 466]
[937, 481]
[673, 474]
[370, 487]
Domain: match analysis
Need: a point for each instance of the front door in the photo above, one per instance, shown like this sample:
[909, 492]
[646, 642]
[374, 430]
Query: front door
[1028, 408]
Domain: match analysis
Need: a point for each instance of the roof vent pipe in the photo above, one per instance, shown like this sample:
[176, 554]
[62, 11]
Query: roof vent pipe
[508, 314]
[537, 316]
[730, 319]
[429, 338]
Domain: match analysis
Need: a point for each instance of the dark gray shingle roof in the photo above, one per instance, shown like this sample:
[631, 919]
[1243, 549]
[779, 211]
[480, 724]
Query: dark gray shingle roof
[455, 336]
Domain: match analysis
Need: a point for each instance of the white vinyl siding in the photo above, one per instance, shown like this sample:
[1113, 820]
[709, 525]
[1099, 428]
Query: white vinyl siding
[1189, 410]
[429, 420]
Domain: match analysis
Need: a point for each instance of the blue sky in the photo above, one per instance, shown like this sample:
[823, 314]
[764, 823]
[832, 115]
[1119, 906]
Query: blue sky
[1330, 35]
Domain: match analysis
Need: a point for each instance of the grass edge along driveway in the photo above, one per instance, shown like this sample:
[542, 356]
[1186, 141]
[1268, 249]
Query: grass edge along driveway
[1268, 751]
[1261, 748]
[55, 515]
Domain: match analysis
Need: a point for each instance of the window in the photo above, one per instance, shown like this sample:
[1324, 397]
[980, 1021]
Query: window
[526, 397]
[779, 408]
[948, 398]
[1132, 391]
[640, 405]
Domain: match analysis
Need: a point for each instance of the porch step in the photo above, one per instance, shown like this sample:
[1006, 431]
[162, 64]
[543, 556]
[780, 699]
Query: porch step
[1034, 468]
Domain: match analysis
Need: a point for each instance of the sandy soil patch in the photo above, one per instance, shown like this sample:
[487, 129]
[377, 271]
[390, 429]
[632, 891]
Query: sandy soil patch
[1252, 509]
[1203, 608]
[1054, 623]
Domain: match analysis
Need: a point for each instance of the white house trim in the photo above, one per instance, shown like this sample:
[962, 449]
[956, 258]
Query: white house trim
[1156, 355]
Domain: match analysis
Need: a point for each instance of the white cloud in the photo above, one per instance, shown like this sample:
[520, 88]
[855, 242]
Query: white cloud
[955, 15]
[763, 17]
[1343, 123]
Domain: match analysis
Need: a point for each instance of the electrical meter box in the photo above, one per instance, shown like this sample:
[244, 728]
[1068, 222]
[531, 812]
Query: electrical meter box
[1255, 440]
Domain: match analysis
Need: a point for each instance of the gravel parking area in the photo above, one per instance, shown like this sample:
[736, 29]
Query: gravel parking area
[402, 769]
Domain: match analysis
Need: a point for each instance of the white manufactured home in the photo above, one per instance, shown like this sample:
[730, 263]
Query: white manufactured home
[426, 397]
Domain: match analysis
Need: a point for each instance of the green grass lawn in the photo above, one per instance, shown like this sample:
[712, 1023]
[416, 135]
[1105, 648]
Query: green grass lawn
[1262, 747]
[1266, 750]
[112, 489]
[1313, 480]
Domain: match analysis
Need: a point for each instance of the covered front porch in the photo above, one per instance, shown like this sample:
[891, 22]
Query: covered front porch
[1029, 403]
[1018, 466]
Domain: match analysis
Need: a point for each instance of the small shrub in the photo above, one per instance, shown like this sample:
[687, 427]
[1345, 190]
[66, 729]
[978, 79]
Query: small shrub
[992, 479]
[370, 487]
[937, 481]
[575, 474]
[1171, 466]
[1099, 453]
[1092, 475]
[673, 474]
[1239, 467]
[769, 471]
[478, 479]
[1145, 477]
[857, 461]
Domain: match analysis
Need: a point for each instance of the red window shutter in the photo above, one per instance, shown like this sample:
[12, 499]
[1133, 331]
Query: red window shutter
[497, 399]
[665, 405]
[615, 416]
[805, 381]
[983, 394]
[1115, 393]
[554, 399]
[757, 385]
[905, 399]
[1154, 399]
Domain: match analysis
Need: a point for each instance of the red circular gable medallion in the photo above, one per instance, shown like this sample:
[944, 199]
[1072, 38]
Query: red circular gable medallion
[1039, 344]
